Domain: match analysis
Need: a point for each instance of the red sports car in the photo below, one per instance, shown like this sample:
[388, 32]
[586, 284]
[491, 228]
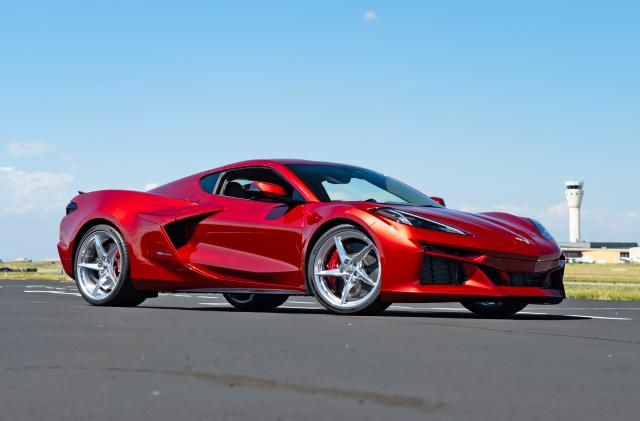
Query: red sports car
[260, 231]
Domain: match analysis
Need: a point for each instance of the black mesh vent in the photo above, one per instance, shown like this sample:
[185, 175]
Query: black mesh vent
[437, 270]
[524, 279]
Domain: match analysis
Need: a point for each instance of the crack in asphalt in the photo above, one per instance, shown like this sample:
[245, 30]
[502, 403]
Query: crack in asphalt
[232, 380]
[526, 332]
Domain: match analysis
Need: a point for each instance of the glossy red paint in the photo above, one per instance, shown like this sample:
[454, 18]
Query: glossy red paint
[268, 189]
[181, 237]
[439, 200]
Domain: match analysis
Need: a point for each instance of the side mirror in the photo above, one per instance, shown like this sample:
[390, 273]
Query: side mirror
[262, 188]
[439, 200]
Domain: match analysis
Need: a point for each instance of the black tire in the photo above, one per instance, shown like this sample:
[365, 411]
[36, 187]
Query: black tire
[492, 308]
[255, 302]
[376, 306]
[123, 294]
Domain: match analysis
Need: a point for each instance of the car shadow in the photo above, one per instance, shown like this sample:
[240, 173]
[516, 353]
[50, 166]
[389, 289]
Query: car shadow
[419, 313]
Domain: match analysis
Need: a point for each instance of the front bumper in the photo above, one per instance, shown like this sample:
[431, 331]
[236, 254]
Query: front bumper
[433, 273]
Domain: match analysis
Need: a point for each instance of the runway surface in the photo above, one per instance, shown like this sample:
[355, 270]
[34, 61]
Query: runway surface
[191, 356]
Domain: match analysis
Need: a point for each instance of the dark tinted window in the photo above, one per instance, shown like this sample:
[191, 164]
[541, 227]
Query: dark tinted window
[208, 182]
[235, 183]
[345, 183]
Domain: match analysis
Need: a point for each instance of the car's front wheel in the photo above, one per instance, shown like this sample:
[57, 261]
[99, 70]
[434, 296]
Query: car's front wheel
[344, 272]
[102, 269]
[255, 302]
[491, 308]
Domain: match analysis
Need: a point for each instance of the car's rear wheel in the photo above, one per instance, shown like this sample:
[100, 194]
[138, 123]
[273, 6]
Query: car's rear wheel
[102, 269]
[493, 308]
[344, 272]
[255, 302]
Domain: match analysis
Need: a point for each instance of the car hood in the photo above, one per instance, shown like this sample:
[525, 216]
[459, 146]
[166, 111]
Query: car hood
[495, 233]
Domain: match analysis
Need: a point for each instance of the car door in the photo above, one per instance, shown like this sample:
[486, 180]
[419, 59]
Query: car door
[251, 241]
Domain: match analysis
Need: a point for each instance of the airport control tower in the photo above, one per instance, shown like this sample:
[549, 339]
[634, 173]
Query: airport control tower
[574, 195]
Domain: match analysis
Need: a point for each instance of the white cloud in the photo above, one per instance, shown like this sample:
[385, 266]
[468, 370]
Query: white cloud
[370, 16]
[150, 186]
[31, 148]
[24, 192]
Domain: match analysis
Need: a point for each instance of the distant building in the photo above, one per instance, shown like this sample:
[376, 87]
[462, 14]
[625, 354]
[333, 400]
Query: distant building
[601, 252]
[22, 259]
[574, 193]
[579, 251]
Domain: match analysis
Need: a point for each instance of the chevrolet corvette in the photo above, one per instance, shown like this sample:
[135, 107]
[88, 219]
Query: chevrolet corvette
[261, 231]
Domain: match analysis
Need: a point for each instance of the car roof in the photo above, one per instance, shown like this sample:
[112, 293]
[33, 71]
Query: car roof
[281, 161]
[265, 163]
[176, 188]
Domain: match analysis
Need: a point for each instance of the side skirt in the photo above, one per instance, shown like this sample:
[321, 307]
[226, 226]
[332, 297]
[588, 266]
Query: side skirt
[240, 291]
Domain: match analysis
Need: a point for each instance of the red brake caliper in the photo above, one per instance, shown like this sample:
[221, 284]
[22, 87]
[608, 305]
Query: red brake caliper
[333, 263]
[116, 263]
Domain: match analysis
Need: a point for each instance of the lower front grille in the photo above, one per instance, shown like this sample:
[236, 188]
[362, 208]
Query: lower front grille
[519, 279]
[524, 279]
[438, 270]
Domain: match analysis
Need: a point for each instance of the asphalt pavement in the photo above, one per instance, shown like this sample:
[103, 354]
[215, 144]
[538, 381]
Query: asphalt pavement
[191, 356]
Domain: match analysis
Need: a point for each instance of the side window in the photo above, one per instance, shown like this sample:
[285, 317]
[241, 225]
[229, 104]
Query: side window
[235, 183]
[208, 182]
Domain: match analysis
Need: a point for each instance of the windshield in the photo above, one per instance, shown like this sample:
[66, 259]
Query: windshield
[334, 183]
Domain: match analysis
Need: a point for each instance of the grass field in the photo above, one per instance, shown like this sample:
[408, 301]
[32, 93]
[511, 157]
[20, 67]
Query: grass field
[46, 271]
[627, 274]
[601, 282]
[603, 292]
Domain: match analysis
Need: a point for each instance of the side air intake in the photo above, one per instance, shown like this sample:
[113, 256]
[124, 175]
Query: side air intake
[181, 231]
[438, 270]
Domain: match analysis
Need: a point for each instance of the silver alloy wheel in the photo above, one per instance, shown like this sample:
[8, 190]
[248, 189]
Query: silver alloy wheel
[242, 298]
[355, 282]
[99, 265]
[488, 303]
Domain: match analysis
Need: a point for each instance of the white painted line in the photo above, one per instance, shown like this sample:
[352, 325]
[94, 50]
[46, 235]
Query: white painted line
[209, 297]
[404, 308]
[303, 302]
[450, 309]
[57, 292]
[585, 308]
[303, 308]
[532, 312]
[520, 312]
[597, 317]
[445, 308]
[394, 307]
[216, 304]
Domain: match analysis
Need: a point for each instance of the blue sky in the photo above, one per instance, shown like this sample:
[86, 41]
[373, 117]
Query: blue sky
[490, 104]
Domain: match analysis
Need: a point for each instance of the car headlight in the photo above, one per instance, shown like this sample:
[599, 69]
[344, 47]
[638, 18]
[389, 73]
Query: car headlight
[542, 230]
[416, 221]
